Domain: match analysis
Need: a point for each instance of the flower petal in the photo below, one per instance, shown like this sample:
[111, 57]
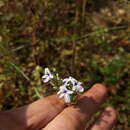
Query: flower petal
[44, 76]
[74, 88]
[46, 80]
[69, 92]
[80, 89]
[67, 98]
[47, 71]
[63, 87]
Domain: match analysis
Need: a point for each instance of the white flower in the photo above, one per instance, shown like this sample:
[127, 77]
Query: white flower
[47, 76]
[65, 93]
[66, 81]
[77, 86]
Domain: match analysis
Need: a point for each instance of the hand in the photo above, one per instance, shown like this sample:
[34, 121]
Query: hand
[51, 113]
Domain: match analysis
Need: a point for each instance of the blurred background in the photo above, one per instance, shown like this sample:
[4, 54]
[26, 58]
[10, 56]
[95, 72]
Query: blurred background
[88, 39]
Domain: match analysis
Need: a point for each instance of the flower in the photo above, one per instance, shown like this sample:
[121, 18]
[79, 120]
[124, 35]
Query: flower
[47, 76]
[66, 81]
[77, 86]
[65, 93]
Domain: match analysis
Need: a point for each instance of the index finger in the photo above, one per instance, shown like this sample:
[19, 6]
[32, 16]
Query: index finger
[35, 115]
[76, 116]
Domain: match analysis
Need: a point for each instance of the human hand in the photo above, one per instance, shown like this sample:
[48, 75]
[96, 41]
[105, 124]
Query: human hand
[51, 113]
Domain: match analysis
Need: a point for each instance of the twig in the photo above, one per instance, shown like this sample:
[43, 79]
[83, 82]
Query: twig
[17, 49]
[18, 69]
[105, 30]
[37, 93]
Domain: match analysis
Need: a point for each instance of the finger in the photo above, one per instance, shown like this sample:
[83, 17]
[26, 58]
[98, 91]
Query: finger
[106, 120]
[37, 114]
[75, 117]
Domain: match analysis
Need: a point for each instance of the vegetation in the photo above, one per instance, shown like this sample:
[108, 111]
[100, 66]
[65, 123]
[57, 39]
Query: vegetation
[88, 39]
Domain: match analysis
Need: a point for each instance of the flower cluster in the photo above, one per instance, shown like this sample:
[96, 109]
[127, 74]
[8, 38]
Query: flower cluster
[69, 88]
